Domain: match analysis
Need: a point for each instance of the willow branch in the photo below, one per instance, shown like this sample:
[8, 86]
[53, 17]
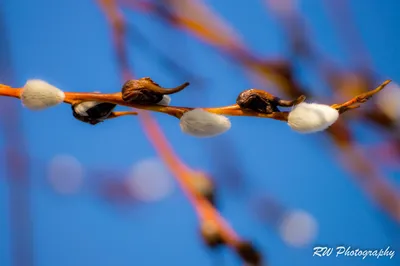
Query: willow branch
[178, 111]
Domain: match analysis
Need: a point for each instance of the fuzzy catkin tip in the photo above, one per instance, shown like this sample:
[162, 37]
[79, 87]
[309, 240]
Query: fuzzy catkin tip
[200, 123]
[312, 117]
[166, 100]
[83, 107]
[38, 95]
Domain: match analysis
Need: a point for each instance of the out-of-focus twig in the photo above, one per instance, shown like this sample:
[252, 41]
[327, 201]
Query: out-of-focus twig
[16, 167]
[294, 27]
[121, 30]
[339, 12]
[117, 23]
[165, 60]
[198, 19]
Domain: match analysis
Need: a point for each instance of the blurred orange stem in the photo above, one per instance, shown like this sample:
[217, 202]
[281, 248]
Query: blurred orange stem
[183, 175]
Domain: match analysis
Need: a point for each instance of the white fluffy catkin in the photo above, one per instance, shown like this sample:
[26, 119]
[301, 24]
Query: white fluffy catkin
[200, 123]
[166, 100]
[312, 117]
[38, 95]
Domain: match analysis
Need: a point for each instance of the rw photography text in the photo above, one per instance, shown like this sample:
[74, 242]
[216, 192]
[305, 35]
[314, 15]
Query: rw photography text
[342, 251]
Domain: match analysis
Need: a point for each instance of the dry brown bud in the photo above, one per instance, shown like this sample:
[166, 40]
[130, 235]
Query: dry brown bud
[146, 91]
[263, 102]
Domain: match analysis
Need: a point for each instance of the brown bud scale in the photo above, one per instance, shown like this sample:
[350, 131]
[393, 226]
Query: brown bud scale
[257, 100]
[264, 102]
[146, 91]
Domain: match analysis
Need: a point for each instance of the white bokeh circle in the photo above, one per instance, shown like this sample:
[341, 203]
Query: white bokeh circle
[149, 180]
[298, 228]
[65, 174]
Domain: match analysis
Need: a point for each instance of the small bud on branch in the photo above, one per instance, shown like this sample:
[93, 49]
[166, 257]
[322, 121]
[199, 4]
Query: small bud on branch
[92, 112]
[263, 102]
[146, 91]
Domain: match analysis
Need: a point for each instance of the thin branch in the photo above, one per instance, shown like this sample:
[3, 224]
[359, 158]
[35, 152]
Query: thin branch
[362, 98]
[119, 114]
[178, 111]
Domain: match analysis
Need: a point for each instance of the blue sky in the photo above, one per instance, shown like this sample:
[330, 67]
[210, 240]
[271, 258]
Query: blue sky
[67, 43]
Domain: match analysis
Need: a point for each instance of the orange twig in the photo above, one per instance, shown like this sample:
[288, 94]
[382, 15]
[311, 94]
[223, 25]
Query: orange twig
[178, 111]
[362, 98]
[119, 114]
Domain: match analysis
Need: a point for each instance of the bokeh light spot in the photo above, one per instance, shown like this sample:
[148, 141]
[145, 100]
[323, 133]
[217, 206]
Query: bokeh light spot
[298, 228]
[65, 174]
[149, 180]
